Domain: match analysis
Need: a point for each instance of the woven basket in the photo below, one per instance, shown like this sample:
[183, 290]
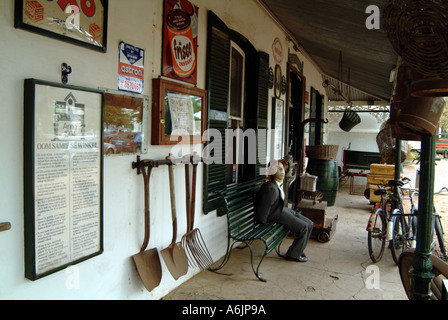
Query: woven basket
[417, 31]
[386, 144]
[349, 119]
[316, 196]
[322, 152]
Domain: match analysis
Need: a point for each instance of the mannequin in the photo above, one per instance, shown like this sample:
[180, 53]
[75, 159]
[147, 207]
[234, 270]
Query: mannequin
[270, 208]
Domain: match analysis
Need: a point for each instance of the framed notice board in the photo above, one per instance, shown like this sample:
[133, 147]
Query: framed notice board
[179, 113]
[63, 176]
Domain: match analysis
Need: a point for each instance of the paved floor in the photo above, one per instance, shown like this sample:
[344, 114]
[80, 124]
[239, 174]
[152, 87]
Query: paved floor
[338, 270]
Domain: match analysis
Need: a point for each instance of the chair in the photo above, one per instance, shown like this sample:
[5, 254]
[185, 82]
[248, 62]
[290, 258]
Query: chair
[439, 269]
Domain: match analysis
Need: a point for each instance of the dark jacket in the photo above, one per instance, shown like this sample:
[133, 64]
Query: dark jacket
[268, 203]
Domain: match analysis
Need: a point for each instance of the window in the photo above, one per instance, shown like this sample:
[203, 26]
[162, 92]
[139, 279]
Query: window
[235, 108]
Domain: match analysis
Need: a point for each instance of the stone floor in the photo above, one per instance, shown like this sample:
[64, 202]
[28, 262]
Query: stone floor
[337, 270]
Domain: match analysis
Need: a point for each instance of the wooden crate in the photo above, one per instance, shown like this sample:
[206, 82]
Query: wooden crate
[377, 179]
[373, 197]
[384, 169]
[379, 174]
[315, 213]
[324, 227]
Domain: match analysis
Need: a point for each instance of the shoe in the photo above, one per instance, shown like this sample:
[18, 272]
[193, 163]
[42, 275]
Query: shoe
[304, 255]
[299, 259]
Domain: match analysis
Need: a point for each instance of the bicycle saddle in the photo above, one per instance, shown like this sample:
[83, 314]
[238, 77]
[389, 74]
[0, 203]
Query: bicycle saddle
[395, 183]
[379, 192]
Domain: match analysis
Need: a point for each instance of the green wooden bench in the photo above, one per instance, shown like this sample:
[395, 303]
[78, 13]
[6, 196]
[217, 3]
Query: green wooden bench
[242, 228]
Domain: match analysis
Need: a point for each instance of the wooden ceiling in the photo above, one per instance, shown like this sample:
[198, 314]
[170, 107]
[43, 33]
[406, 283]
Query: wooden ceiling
[324, 28]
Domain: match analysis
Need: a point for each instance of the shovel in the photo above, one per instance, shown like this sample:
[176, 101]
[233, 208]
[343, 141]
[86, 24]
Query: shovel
[148, 262]
[192, 241]
[175, 257]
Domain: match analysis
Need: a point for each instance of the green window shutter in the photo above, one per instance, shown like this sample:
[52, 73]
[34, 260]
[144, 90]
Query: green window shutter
[263, 100]
[218, 53]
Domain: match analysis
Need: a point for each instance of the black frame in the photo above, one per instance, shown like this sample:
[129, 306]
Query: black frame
[29, 186]
[18, 23]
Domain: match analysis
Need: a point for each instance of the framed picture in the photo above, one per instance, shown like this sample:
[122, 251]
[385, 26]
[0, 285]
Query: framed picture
[278, 81]
[178, 114]
[63, 176]
[125, 123]
[278, 118]
[76, 21]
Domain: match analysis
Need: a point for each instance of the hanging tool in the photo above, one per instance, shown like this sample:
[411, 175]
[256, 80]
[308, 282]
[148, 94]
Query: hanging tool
[147, 262]
[174, 256]
[192, 241]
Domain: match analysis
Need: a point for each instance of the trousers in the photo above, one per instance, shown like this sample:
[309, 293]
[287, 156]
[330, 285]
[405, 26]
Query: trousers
[300, 227]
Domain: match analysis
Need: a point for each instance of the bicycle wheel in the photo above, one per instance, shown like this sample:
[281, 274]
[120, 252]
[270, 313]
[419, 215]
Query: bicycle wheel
[439, 248]
[376, 238]
[399, 242]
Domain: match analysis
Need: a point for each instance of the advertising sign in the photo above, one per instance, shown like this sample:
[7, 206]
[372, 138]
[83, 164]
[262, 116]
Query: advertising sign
[180, 41]
[130, 68]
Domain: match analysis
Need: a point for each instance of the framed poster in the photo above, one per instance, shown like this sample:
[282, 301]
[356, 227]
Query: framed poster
[179, 111]
[63, 174]
[180, 40]
[79, 22]
[278, 117]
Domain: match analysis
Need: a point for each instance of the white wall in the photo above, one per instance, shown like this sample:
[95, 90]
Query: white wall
[361, 138]
[111, 275]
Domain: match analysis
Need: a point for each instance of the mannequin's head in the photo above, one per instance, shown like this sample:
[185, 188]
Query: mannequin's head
[276, 171]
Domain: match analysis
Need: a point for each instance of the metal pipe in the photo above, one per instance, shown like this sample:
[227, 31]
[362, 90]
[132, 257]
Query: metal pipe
[421, 274]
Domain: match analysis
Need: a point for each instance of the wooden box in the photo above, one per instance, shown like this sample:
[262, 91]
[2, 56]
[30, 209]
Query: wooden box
[323, 228]
[315, 213]
[385, 169]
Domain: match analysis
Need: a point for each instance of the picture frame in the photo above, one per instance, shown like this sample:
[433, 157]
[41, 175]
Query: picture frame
[179, 113]
[63, 176]
[278, 81]
[84, 25]
[278, 116]
[125, 123]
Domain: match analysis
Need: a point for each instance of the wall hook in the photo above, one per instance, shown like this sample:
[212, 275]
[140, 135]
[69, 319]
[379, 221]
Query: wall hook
[65, 71]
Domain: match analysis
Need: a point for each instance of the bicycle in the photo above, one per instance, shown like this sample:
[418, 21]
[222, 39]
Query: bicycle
[377, 225]
[404, 228]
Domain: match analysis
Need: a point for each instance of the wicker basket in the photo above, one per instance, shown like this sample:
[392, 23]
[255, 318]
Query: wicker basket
[417, 31]
[316, 196]
[349, 120]
[322, 152]
[386, 144]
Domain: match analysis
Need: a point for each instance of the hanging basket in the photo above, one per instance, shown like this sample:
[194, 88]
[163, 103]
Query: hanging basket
[386, 144]
[421, 115]
[397, 131]
[349, 120]
[417, 31]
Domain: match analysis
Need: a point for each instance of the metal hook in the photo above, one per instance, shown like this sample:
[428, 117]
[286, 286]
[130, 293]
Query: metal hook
[65, 71]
